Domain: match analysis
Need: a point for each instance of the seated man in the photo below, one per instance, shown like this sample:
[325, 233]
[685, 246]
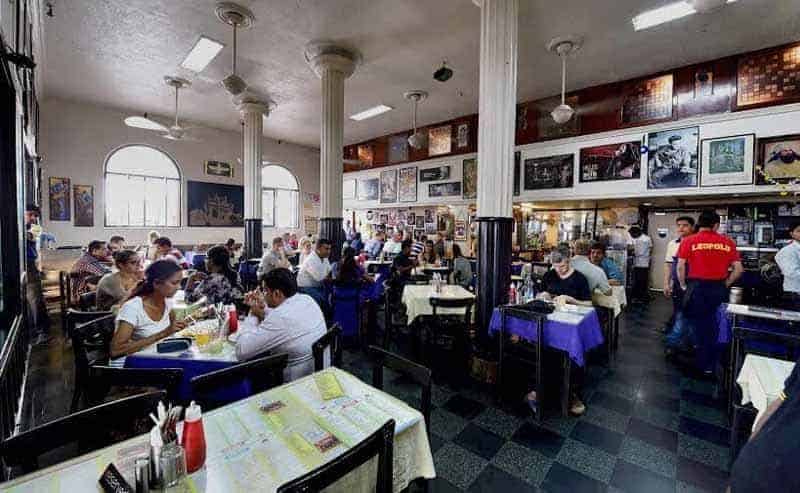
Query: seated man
[164, 251]
[598, 257]
[281, 320]
[392, 247]
[402, 264]
[315, 269]
[375, 245]
[89, 266]
[594, 275]
[115, 244]
[273, 259]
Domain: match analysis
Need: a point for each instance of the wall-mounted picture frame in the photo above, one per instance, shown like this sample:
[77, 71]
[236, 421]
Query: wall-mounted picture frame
[460, 231]
[430, 228]
[647, 100]
[368, 189]
[398, 149]
[462, 136]
[672, 158]
[215, 204]
[469, 179]
[549, 172]
[83, 195]
[440, 140]
[778, 159]
[218, 168]
[411, 218]
[727, 160]
[389, 186]
[58, 199]
[434, 174]
[517, 172]
[383, 218]
[419, 222]
[430, 215]
[407, 184]
[349, 189]
[611, 162]
[449, 189]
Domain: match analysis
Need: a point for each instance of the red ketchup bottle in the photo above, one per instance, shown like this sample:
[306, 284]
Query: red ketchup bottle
[233, 320]
[194, 440]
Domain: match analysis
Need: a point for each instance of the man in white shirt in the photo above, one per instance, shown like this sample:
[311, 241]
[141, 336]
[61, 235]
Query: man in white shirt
[314, 271]
[642, 246]
[684, 226]
[281, 321]
[273, 259]
[788, 259]
[594, 275]
[392, 247]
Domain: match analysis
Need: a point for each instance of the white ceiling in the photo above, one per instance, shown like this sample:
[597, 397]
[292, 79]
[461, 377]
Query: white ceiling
[115, 53]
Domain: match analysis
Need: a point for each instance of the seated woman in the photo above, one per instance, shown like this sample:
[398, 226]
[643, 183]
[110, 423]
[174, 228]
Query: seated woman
[115, 287]
[429, 255]
[146, 317]
[462, 269]
[220, 285]
[305, 250]
[347, 270]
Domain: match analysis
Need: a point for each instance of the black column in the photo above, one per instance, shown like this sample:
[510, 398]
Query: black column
[253, 243]
[331, 229]
[494, 266]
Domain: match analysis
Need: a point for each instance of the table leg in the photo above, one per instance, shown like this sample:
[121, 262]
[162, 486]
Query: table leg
[565, 385]
[730, 379]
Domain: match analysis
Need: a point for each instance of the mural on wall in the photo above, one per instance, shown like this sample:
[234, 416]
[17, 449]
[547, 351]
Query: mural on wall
[434, 174]
[218, 168]
[727, 160]
[778, 159]
[398, 149]
[647, 100]
[388, 186]
[672, 158]
[215, 204]
[450, 189]
[368, 189]
[84, 205]
[611, 162]
[469, 178]
[407, 189]
[549, 172]
[58, 195]
[440, 140]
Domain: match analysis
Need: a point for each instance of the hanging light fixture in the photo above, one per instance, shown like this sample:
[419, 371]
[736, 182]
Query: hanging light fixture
[417, 139]
[563, 46]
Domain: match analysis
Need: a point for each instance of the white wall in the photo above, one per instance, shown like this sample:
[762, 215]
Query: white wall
[76, 138]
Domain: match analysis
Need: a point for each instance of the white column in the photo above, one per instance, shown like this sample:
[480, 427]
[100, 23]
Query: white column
[252, 114]
[497, 107]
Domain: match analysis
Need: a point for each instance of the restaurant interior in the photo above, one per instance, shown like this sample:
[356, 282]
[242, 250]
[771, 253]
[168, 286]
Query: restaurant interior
[399, 246]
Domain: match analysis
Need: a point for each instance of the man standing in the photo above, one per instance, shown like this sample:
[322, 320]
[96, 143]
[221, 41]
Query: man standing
[39, 320]
[594, 275]
[597, 255]
[711, 256]
[273, 259]
[642, 246]
[675, 327]
[314, 271]
[439, 246]
[88, 268]
[788, 259]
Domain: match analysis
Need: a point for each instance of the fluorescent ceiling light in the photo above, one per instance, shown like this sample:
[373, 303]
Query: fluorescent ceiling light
[201, 55]
[369, 113]
[667, 13]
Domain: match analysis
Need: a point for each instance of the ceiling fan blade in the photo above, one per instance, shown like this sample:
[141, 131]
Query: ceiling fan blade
[145, 123]
[184, 137]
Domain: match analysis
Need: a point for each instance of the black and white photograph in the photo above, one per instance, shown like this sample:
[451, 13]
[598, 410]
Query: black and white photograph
[672, 157]
[434, 174]
[450, 189]
[549, 172]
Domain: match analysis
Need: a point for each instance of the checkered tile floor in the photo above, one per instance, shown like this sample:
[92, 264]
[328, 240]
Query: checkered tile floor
[648, 428]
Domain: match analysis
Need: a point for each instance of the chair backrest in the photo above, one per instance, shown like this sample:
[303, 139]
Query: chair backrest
[378, 444]
[90, 429]
[88, 301]
[91, 342]
[419, 374]
[65, 289]
[74, 317]
[346, 301]
[465, 303]
[102, 378]
[260, 374]
[333, 340]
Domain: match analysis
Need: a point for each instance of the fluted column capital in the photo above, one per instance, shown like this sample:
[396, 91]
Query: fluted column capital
[253, 106]
[326, 56]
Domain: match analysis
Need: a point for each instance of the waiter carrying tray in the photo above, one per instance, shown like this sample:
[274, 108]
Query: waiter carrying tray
[711, 256]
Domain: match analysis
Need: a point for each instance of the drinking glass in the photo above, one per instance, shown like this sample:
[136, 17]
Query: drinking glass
[173, 464]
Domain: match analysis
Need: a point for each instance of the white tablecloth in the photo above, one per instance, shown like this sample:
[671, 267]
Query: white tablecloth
[761, 380]
[616, 300]
[416, 298]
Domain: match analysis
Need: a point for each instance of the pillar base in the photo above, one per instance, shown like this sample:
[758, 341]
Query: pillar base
[331, 229]
[494, 267]
[253, 243]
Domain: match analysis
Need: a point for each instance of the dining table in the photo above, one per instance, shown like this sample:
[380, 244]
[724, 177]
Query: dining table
[416, 299]
[268, 439]
[761, 380]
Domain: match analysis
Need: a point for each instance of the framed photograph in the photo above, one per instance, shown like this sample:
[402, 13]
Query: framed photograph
[727, 160]
[672, 158]
[778, 159]
[383, 218]
[389, 186]
[460, 232]
[469, 179]
[215, 204]
[419, 222]
[407, 189]
[58, 198]
[440, 140]
[218, 168]
[411, 218]
[622, 161]
[647, 100]
[549, 172]
[84, 204]
[430, 228]
[434, 174]
[365, 155]
[430, 216]
[462, 136]
[398, 149]
[368, 189]
[449, 189]
[370, 216]
[349, 189]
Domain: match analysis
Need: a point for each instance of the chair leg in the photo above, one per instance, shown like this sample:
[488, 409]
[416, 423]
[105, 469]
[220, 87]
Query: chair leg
[565, 386]
[734, 438]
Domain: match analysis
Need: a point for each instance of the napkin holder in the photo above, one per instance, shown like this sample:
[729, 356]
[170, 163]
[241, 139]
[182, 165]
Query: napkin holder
[174, 345]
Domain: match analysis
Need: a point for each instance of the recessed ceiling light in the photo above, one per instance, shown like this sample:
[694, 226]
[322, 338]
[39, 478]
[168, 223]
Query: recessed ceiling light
[369, 113]
[667, 13]
[647, 204]
[201, 55]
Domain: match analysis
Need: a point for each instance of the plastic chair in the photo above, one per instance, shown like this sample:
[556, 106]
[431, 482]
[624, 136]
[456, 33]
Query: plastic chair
[333, 340]
[260, 374]
[103, 379]
[346, 301]
[419, 374]
[90, 344]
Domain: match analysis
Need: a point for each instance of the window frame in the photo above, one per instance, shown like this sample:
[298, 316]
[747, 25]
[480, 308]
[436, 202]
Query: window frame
[179, 180]
[274, 191]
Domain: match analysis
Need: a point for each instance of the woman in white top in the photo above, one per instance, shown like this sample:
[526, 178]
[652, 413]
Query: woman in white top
[305, 250]
[147, 317]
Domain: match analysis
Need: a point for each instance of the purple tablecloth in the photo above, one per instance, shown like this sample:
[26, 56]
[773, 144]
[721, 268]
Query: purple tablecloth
[575, 339]
[725, 328]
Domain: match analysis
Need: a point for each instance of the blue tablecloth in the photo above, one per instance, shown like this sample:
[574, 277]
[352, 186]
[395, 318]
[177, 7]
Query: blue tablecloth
[575, 339]
[725, 330]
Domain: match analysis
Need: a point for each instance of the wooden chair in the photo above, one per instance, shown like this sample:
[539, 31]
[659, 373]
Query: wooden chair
[89, 430]
[333, 340]
[262, 374]
[73, 317]
[419, 374]
[65, 293]
[378, 444]
[91, 343]
[87, 302]
[105, 378]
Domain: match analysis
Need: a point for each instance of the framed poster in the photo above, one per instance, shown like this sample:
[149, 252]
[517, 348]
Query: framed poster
[647, 100]
[727, 160]
[58, 198]
[430, 216]
[365, 155]
[368, 189]
[84, 204]
[419, 222]
[460, 232]
[215, 204]
[383, 218]
[440, 140]
[469, 178]
[517, 172]
[407, 188]
[462, 136]
[349, 189]
[778, 159]
[430, 228]
[549, 172]
[434, 174]
[450, 189]
[398, 149]
[218, 168]
[672, 158]
[411, 218]
[389, 186]
[622, 161]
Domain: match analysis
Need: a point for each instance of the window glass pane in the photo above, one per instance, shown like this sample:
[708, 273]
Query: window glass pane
[173, 203]
[286, 209]
[155, 194]
[134, 193]
[116, 200]
[268, 207]
[278, 177]
[142, 160]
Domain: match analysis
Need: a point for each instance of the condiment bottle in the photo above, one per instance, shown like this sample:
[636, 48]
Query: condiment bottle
[233, 319]
[194, 440]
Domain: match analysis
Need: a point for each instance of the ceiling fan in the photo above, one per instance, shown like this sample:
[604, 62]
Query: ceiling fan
[418, 139]
[237, 17]
[174, 132]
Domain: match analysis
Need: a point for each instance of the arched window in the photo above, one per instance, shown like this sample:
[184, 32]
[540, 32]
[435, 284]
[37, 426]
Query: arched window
[280, 195]
[143, 188]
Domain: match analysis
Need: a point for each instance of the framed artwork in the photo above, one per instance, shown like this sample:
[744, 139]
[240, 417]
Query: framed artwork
[370, 216]
[469, 178]
[430, 216]
[434, 174]
[368, 189]
[215, 204]
[365, 155]
[398, 149]
[419, 222]
[430, 228]
[462, 136]
[647, 100]
[389, 186]
[622, 161]
[402, 216]
[703, 83]
[411, 218]
[383, 218]
[549, 172]
[672, 158]
[769, 76]
[546, 126]
[84, 204]
[58, 197]
[727, 160]
[517, 172]
[778, 159]
[449, 189]
[407, 189]
[440, 140]
[460, 232]
[218, 168]
[349, 189]
[311, 225]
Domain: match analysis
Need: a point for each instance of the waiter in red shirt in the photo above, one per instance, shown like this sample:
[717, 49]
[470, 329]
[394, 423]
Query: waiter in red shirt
[715, 267]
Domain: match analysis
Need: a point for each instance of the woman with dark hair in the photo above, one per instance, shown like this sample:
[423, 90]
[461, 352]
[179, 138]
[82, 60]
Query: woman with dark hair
[220, 285]
[115, 287]
[429, 256]
[346, 270]
[462, 269]
[146, 317]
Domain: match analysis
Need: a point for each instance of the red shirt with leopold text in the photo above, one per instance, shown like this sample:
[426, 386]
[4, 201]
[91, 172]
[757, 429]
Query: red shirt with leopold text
[710, 254]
